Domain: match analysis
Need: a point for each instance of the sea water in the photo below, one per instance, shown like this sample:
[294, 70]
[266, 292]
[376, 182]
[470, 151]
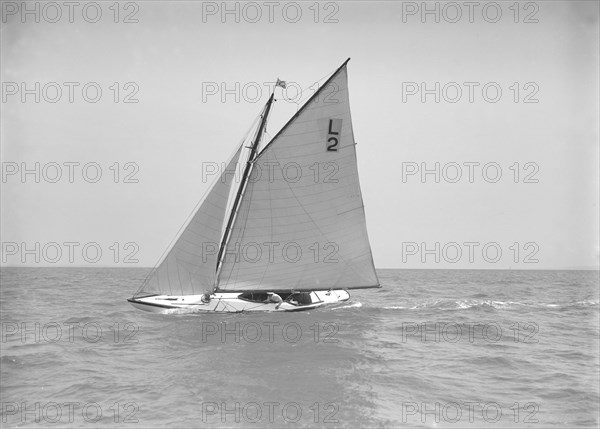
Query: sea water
[431, 348]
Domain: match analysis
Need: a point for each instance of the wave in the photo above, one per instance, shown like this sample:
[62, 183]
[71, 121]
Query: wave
[355, 305]
[441, 304]
[12, 360]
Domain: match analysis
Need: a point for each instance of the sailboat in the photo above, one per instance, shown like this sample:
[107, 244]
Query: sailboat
[290, 236]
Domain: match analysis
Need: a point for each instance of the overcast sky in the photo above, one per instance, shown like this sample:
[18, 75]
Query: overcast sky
[179, 55]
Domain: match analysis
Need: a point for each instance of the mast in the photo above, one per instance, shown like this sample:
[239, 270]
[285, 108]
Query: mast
[241, 189]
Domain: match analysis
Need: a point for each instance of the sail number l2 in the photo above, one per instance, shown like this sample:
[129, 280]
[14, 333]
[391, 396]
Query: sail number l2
[333, 134]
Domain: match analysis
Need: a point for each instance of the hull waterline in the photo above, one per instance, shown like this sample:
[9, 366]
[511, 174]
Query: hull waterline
[234, 303]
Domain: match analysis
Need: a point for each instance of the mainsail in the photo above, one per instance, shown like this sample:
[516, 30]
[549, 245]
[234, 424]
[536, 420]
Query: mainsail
[189, 266]
[301, 222]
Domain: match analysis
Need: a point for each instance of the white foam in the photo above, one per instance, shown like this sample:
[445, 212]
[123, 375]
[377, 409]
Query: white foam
[355, 305]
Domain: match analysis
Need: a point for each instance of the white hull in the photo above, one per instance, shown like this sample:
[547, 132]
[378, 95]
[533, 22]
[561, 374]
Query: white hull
[232, 303]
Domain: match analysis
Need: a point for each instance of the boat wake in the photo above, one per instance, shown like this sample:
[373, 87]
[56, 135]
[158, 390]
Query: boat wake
[355, 305]
[447, 305]
[441, 304]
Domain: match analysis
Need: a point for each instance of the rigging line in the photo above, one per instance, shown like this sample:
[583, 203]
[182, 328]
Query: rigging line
[228, 306]
[236, 203]
[256, 306]
[303, 90]
[188, 219]
[228, 233]
[238, 170]
[242, 230]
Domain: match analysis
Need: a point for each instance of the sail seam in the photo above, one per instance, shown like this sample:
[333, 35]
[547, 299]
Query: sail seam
[313, 221]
